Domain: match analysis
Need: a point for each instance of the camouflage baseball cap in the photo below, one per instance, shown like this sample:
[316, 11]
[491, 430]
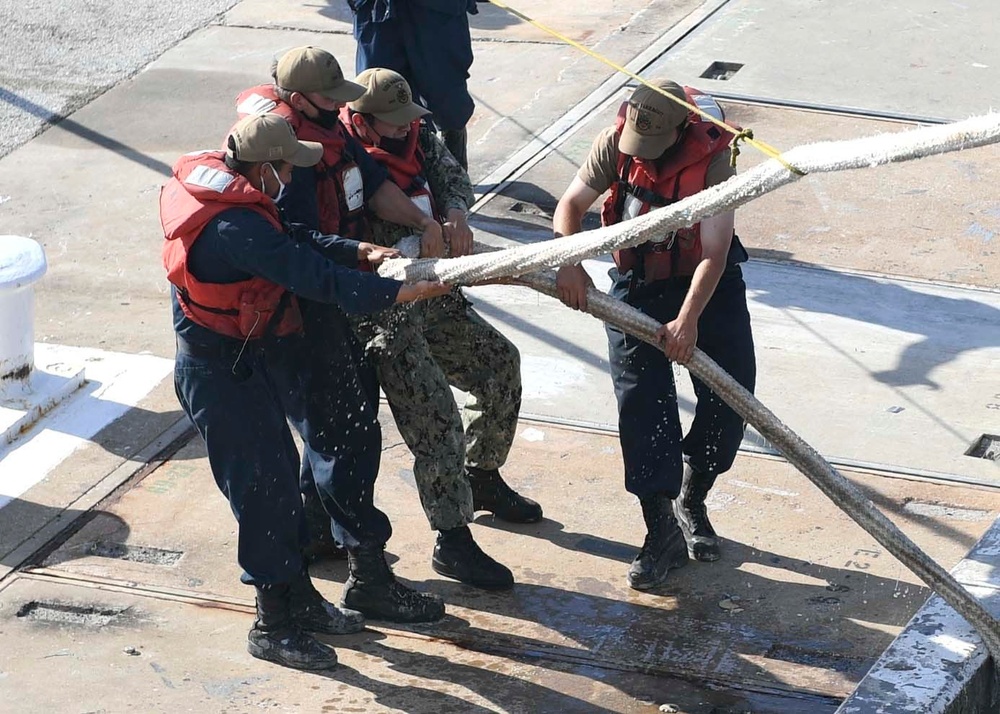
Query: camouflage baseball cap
[651, 119]
[387, 97]
[268, 137]
[310, 69]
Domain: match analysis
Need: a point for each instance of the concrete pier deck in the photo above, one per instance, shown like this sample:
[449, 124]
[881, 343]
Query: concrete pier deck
[876, 316]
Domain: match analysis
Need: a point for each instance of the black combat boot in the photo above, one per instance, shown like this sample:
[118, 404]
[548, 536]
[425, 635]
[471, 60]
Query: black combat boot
[373, 590]
[491, 493]
[702, 543]
[322, 545]
[313, 613]
[663, 549]
[275, 636]
[458, 556]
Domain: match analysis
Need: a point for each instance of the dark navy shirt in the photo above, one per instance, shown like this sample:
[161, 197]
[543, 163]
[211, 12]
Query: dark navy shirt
[239, 244]
[300, 203]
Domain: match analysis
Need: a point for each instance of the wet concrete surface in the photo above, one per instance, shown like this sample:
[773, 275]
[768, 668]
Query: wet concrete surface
[792, 616]
[155, 653]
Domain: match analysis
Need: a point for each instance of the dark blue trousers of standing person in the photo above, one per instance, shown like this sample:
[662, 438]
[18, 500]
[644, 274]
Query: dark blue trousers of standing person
[426, 41]
[340, 428]
[653, 446]
[241, 405]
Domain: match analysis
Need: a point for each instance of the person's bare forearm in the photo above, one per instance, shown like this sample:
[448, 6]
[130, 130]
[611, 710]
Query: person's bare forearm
[567, 220]
[703, 283]
[716, 238]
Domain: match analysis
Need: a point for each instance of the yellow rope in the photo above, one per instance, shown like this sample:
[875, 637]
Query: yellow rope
[739, 135]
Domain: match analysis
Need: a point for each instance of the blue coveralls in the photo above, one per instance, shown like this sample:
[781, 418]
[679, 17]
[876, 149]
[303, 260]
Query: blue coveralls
[426, 41]
[653, 446]
[348, 377]
[239, 396]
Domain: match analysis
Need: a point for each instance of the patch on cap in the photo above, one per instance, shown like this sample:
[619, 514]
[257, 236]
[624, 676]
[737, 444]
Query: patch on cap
[269, 137]
[651, 119]
[643, 122]
[387, 97]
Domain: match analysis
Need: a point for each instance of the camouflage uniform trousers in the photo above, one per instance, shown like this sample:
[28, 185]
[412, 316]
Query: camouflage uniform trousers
[422, 349]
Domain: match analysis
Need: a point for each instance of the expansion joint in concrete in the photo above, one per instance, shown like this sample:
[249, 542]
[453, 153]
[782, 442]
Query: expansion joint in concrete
[278, 28]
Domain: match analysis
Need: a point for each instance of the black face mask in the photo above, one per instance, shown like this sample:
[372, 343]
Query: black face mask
[393, 146]
[326, 118]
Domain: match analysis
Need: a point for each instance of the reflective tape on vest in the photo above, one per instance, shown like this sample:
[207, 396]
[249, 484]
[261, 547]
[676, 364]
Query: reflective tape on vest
[423, 202]
[207, 177]
[354, 188]
[255, 104]
[631, 208]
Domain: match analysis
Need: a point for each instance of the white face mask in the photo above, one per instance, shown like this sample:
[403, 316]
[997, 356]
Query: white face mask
[281, 190]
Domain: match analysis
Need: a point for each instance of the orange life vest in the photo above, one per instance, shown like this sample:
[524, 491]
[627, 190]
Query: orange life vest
[201, 188]
[645, 184]
[406, 169]
[340, 192]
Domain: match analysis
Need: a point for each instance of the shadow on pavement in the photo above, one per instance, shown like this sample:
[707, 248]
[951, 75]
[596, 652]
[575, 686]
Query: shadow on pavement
[947, 326]
[95, 137]
[20, 520]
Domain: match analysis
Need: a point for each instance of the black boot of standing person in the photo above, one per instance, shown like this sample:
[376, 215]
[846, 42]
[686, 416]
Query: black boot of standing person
[458, 556]
[373, 590]
[663, 549]
[276, 637]
[692, 515]
[491, 493]
[311, 612]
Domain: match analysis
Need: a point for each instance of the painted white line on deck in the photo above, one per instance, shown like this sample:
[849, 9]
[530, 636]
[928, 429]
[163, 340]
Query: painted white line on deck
[115, 383]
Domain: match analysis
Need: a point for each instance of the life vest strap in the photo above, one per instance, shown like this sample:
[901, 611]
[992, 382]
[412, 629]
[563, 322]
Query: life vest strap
[186, 297]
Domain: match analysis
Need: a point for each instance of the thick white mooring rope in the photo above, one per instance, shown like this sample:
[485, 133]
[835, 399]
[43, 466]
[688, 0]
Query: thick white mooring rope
[521, 262]
[810, 158]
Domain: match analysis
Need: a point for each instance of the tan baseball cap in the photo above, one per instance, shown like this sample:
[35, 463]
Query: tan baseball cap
[650, 120]
[310, 69]
[387, 97]
[268, 137]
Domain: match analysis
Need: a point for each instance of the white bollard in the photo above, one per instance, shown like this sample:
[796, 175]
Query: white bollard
[22, 264]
